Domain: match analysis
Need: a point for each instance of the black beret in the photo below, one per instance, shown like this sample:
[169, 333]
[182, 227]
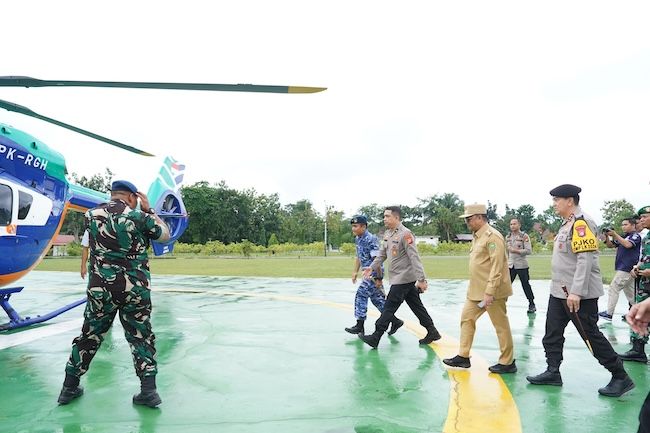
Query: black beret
[566, 190]
[359, 219]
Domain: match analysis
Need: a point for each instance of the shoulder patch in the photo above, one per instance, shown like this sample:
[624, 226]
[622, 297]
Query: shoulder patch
[583, 239]
[408, 237]
[492, 246]
[526, 238]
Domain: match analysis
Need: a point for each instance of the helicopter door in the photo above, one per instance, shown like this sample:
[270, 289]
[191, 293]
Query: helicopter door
[7, 226]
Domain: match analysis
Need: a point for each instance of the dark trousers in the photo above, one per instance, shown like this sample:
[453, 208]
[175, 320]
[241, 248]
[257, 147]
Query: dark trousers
[644, 416]
[557, 319]
[397, 295]
[524, 277]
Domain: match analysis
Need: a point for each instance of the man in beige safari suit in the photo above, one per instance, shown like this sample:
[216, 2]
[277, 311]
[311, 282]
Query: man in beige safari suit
[489, 288]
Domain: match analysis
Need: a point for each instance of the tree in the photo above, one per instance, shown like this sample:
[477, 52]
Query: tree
[440, 214]
[375, 215]
[74, 221]
[615, 211]
[301, 224]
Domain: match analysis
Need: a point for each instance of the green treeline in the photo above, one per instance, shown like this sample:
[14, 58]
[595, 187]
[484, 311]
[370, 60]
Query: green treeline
[247, 222]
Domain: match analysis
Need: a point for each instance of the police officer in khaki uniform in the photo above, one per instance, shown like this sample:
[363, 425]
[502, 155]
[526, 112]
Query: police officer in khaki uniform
[489, 288]
[576, 285]
[519, 246]
[406, 277]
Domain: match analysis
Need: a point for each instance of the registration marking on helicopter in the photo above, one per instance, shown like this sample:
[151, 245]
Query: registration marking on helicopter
[28, 159]
[30, 335]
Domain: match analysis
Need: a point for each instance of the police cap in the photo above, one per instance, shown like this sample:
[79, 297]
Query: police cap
[123, 185]
[644, 209]
[566, 190]
[359, 219]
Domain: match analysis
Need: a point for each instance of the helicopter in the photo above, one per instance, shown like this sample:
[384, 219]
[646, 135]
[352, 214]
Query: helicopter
[35, 194]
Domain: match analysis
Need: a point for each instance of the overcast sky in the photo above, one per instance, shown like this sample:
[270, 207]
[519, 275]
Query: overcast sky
[497, 101]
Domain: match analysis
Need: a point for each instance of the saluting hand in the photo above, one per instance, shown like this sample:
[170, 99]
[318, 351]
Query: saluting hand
[144, 201]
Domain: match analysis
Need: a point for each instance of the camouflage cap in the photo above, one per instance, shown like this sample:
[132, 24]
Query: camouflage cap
[644, 209]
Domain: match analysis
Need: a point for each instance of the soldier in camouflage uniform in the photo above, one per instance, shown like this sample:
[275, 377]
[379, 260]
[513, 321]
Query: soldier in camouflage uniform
[642, 272]
[367, 249]
[119, 281]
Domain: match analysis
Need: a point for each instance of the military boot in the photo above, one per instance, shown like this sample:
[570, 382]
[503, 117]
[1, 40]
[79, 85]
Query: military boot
[70, 390]
[371, 340]
[637, 353]
[148, 395]
[432, 335]
[395, 325]
[619, 385]
[356, 329]
[550, 377]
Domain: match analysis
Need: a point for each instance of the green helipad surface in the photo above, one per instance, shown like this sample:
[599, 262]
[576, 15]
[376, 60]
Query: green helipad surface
[270, 355]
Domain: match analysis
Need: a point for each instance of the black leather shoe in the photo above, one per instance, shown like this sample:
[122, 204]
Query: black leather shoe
[549, 377]
[458, 361]
[150, 399]
[371, 340]
[397, 323]
[432, 335]
[617, 387]
[502, 368]
[69, 393]
[531, 307]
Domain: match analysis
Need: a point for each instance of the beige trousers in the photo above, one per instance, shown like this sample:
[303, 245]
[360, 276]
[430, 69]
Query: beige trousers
[498, 316]
[621, 281]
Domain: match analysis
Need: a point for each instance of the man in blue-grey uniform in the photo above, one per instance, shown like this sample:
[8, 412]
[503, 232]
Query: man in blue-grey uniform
[367, 249]
[576, 285]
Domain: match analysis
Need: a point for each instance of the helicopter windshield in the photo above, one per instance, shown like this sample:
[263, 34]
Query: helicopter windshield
[6, 203]
[24, 204]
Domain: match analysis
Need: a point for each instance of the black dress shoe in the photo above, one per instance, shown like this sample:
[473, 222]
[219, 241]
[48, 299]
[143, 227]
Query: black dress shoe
[502, 368]
[549, 377]
[617, 387]
[356, 329]
[150, 399]
[432, 335]
[458, 361]
[371, 340]
[397, 323]
[531, 307]
[69, 393]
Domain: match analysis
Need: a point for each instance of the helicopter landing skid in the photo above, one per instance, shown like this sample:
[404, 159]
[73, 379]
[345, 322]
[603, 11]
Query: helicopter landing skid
[15, 321]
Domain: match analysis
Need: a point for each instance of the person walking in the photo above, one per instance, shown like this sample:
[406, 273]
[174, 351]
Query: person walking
[488, 290]
[519, 246]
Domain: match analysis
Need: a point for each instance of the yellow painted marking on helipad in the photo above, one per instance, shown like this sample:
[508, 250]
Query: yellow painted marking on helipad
[479, 401]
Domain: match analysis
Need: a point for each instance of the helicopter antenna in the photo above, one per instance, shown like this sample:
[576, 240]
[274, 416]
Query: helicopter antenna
[18, 81]
[10, 106]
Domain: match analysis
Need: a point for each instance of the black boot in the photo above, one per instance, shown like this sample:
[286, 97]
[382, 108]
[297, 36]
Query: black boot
[550, 377]
[637, 353]
[504, 368]
[531, 307]
[432, 335]
[148, 395]
[356, 329]
[395, 325]
[619, 385]
[70, 390]
[371, 340]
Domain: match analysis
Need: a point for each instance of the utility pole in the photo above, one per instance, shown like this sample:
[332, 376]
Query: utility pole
[325, 233]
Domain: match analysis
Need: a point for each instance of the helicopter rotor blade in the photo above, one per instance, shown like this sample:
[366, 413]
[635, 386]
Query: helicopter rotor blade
[10, 106]
[18, 81]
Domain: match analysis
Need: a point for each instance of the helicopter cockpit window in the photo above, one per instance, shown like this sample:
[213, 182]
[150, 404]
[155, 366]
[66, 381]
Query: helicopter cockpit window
[6, 203]
[24, 204]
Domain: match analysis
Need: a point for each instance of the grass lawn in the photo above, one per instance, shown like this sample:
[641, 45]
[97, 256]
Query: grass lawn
[443, 267]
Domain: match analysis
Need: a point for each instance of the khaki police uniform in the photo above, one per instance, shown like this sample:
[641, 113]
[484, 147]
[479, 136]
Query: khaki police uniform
[518, 263]
[578, 273]
[405, 269]
[489, 275]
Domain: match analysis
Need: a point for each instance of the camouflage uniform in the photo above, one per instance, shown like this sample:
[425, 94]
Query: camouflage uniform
[367, 250]
[118, 281]
[643, 291]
